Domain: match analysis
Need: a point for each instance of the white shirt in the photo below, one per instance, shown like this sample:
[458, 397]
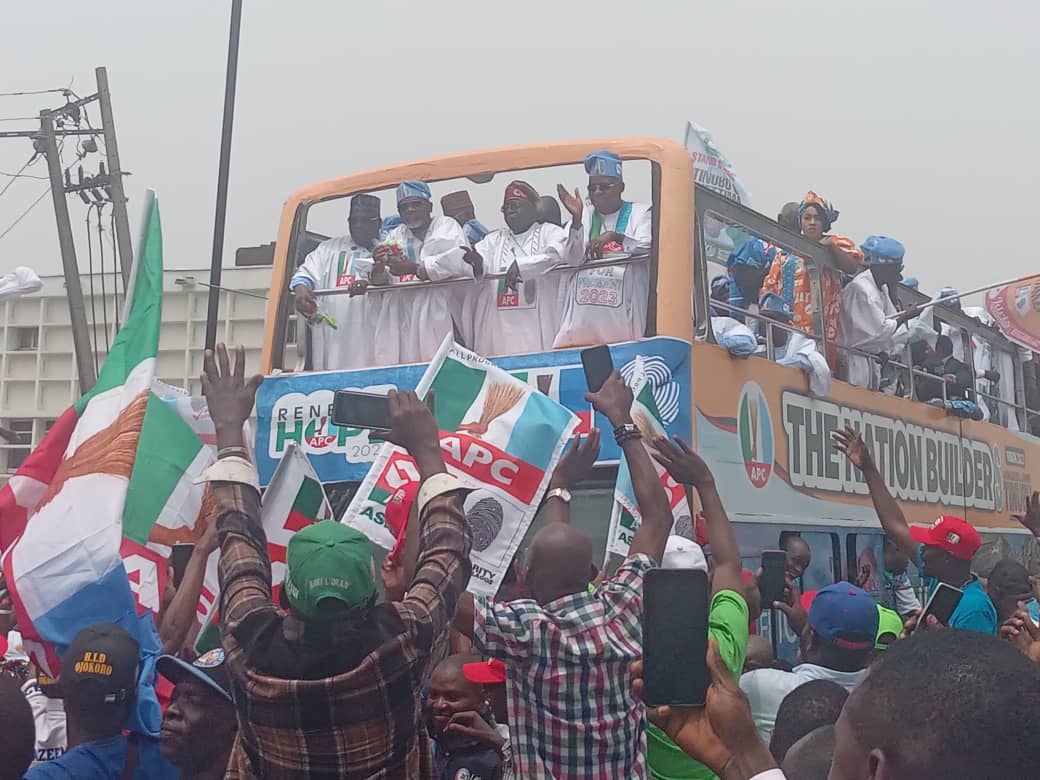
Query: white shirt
[421, 316]
[865, 309]
[604, 304]
[735, 336]
[498, 321]
[767, 688]
[801, 352]
[338, 262]
[49, 716]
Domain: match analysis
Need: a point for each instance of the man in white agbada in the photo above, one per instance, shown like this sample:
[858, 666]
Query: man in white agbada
[518, 313]
[344, 263]
[423, 248]
[603, 304]
[869, 320]
[794, 349]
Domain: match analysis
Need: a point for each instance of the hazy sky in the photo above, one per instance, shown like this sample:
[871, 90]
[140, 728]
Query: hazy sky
[919, 120]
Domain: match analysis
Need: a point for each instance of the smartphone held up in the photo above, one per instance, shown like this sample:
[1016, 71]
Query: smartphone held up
[675, 637]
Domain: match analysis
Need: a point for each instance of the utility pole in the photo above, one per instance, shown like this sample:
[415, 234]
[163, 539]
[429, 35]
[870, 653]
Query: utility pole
[115, 175]
[77, 309]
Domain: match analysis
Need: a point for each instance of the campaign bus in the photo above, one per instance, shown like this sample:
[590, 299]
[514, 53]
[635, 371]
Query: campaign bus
[765, 436]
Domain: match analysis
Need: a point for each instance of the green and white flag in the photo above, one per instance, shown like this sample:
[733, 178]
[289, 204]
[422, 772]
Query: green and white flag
[625, 516]
[499, 436]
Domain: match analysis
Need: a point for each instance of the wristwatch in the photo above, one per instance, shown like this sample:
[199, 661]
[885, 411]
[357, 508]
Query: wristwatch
[561, 493]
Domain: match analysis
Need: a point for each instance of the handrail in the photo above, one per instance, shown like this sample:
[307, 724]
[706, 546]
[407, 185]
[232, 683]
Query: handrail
[627, 259]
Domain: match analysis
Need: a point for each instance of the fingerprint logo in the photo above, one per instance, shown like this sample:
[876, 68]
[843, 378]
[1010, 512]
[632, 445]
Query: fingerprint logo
[665, 390]
[485, 520]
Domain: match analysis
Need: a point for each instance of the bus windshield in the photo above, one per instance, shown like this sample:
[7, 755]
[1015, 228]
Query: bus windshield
[508, 262]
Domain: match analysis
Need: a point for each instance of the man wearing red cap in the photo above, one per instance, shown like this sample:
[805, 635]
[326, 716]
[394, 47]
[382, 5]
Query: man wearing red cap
[942, 551]
[518, 313]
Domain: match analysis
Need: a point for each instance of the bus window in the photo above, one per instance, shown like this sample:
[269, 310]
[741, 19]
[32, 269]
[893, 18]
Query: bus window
[490, 259]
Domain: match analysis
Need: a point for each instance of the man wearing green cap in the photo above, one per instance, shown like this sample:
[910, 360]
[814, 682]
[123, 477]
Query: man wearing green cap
[332, 688]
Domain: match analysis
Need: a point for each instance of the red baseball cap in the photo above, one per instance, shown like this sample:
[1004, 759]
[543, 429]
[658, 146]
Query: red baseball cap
[951, 533]
[491, 672]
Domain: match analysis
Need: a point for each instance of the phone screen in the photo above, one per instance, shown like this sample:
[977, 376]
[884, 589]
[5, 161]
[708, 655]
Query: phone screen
[941, 603]
[180, 554]
[771, 583]
[675, 637]
[598, 365]
[354, 409]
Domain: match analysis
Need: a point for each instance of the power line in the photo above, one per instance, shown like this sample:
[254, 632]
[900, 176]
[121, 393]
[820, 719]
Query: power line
[25, 213]
[24, 176]
[60, 90]
[15, 176]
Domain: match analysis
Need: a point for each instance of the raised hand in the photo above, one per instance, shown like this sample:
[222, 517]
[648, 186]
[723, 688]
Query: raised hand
[412, 426]
[613, 400]
[850, 443]
[474, 259]
[791, 606]
[573, 203]
[229, 395]
[1031, 519]
[685, 465]
[1020, 631]
[577, 462]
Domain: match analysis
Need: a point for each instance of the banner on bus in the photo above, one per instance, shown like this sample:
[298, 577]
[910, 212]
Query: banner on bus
[711, 168]
[298, 407]
[1016, 310]
[499, 436]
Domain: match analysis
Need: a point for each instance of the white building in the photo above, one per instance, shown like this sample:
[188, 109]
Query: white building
[38, 379]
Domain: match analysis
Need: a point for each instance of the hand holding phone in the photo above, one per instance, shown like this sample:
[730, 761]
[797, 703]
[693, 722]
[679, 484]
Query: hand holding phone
[941, 604]
[675, 637]
[357, 409]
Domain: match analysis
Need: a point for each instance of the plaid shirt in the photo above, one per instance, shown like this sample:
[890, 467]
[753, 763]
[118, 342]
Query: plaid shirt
[570, 710]
[342, 702]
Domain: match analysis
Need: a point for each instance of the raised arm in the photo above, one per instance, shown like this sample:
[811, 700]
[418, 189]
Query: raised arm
[614, 401]
[688, 468]
[889, 513]
[179, 617]
[573, 467]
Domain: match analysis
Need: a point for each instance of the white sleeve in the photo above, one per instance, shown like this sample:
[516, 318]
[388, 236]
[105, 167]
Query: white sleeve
[315, 268]
[553, 254]
[442, 251]
[877, 330]
[642, 233]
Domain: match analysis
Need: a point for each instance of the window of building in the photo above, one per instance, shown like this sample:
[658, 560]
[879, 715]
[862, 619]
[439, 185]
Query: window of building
[17, 442]
[24, 338]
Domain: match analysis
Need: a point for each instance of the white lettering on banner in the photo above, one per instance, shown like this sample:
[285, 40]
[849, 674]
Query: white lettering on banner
[918, 464]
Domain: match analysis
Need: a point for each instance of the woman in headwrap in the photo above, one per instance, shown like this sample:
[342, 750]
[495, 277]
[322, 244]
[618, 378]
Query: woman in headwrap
[789, 278]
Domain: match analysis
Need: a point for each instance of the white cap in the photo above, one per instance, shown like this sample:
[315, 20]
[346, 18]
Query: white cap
[682, 553]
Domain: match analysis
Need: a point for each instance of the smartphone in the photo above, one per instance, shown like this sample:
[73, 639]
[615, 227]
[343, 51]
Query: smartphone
[355, 409]
[675, 637]
[771, 583]
[180, 554]
[941, 603]
[598, 365]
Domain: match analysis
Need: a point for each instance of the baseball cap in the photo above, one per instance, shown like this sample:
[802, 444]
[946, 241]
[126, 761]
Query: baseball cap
[492, 672]
[889, 622]
[102, 662]
[208, 668]
[845, 616]
[951, 533]
[328, 560]
[682, 553]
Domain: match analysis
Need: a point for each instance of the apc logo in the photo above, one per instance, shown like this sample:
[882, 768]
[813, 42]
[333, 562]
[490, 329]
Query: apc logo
[755, 429]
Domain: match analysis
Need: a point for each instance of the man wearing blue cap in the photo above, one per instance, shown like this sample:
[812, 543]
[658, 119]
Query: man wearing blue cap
[794, 348]
[518, 313]
[838, 626]
[344, 263]
[869, 320]
[606, 304]
[422, 248]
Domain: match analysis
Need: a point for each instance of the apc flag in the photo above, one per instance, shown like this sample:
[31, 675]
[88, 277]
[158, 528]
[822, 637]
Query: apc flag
[499, 436]
[625, 516]
[103, 510]
[1015, 308]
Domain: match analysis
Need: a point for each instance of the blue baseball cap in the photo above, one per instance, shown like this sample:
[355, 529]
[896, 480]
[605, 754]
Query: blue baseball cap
[845, 616]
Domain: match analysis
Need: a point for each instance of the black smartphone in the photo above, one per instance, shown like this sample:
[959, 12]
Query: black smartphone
[675, 637]
[771, 583]
[598, 365]
[180, 554]
[941, 603]
[355, 409]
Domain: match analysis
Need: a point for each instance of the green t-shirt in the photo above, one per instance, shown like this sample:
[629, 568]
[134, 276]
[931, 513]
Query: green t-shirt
[727, 625]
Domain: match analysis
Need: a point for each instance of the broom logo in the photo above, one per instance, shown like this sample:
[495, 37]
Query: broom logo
[498, 400]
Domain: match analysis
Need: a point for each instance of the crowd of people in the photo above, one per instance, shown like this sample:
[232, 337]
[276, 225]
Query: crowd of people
[522, 308]
[866, 328]
[332, 679]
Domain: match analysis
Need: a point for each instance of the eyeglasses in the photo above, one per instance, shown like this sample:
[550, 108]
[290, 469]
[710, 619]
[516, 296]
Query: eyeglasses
[602, 187]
